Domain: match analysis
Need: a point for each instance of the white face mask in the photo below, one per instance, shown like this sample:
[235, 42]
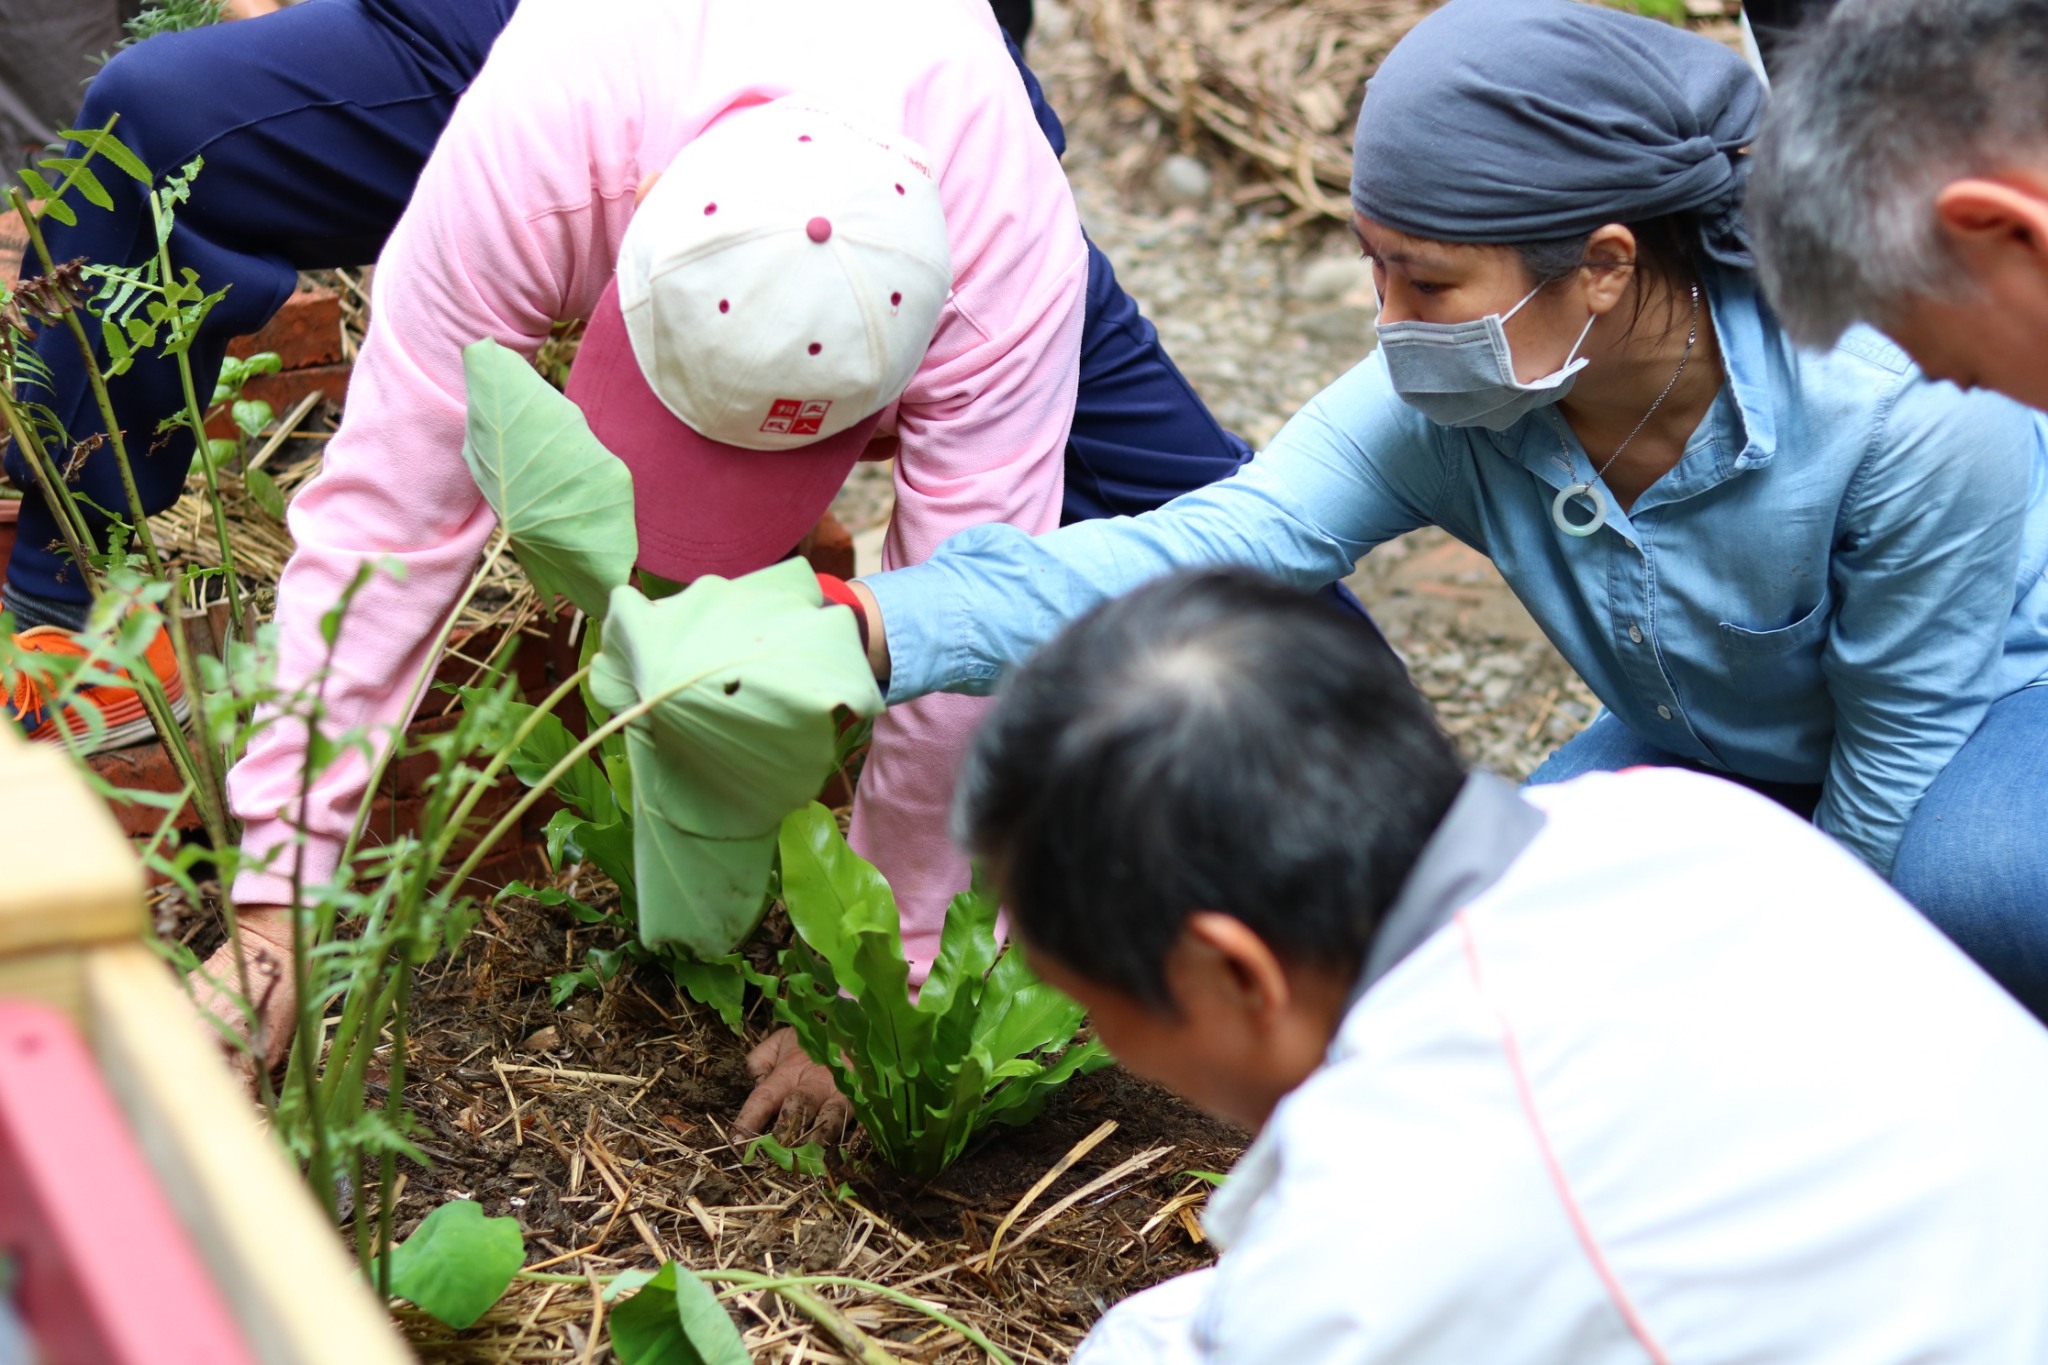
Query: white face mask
[1462, 374]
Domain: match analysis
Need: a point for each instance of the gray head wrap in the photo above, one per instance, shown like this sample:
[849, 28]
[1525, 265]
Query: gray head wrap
[1524, 120]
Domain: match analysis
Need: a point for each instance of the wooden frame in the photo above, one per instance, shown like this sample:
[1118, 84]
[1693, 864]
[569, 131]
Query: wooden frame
[71, 923]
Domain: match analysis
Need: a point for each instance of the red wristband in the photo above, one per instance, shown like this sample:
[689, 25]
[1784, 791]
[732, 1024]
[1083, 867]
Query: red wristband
[838, 592]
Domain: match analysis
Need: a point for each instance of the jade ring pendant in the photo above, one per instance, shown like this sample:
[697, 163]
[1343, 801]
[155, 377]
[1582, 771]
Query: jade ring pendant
[1563, 499]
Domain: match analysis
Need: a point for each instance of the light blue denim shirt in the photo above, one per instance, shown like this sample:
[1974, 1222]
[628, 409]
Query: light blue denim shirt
[1839, 576]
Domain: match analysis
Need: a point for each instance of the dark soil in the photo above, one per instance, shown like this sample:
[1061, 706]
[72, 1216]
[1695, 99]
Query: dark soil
[621, 1153]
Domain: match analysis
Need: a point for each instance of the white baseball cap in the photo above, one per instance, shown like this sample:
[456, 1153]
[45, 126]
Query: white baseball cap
[777, 289]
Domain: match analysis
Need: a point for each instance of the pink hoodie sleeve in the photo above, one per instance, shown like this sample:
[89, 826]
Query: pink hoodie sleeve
[467, 261]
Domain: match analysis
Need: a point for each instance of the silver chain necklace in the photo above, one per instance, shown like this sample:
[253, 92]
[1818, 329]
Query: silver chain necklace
[1590, 491]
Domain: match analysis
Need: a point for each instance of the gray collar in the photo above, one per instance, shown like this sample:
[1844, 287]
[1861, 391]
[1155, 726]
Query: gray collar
[1484, 831]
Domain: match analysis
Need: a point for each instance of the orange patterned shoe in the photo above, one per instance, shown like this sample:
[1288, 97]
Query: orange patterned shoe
[121, 710]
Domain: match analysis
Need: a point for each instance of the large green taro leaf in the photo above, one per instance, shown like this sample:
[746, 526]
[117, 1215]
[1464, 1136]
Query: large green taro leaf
[749, 673]
[565, 501]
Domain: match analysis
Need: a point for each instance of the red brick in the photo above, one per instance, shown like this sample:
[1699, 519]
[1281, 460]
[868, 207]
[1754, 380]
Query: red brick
[304, 333]
[10, 511]
[142, 767]
[512, 861]
[13, 245]
[538, 664]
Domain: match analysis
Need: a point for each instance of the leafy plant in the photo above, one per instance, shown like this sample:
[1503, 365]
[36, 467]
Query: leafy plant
[984, 1041]
[750, 676]
[167, 16]
[1670, 11]
[250, 416]
[566, 502]
[741, 689]
[738, 683]
[396, 907]
[806, 1159]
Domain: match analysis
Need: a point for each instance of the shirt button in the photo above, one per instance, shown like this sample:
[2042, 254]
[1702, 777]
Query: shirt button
[1664, 713]
[1635, 633]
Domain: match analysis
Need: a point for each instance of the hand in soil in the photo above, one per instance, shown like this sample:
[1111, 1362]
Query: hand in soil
[793, 1095]
[267, 947]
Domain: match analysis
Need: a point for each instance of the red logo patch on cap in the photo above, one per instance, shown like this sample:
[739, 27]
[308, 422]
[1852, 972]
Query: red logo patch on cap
[797, 416]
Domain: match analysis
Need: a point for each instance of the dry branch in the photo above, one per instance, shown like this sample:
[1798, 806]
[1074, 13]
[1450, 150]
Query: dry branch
[1277, 82]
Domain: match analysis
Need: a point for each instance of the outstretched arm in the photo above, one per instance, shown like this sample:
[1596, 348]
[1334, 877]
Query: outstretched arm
[1351, 470]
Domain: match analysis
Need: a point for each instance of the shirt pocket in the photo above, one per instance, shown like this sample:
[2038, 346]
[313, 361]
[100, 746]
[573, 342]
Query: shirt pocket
[1778, 695]
[1807, 630]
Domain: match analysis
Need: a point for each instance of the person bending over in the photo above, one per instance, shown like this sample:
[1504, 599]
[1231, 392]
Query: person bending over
[501, 166]
[1816, 574]
[1632, 1067]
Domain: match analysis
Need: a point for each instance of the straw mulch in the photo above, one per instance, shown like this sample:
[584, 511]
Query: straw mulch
[1278, 82]
[602, 1127]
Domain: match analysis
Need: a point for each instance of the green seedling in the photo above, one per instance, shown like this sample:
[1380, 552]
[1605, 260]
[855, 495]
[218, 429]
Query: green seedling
[676, 1319]
[751, 676]
[807, 1159]
[983, 1042]
[250, 415]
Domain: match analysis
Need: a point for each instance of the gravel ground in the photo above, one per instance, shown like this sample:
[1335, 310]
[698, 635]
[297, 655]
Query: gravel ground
[1261, 316]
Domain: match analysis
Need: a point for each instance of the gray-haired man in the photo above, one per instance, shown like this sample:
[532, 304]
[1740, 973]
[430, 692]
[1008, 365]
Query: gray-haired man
[1902, 180]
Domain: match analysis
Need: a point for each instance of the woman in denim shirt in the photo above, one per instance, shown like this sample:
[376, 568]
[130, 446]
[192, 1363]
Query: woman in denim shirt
[1818, 574]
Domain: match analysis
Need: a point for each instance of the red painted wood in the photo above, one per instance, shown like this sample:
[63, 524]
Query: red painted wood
[103, 1272]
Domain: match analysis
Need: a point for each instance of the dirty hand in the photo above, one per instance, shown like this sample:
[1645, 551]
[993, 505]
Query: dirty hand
[267, 948]
[793, 1094]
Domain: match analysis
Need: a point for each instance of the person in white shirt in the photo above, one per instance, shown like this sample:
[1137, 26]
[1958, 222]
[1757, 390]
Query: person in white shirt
[1636, 1067]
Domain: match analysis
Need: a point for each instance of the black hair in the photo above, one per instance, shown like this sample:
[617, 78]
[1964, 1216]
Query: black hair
[1214, 741]
[1669, 252]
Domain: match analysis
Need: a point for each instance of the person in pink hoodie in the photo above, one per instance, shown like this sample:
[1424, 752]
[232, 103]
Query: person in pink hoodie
[595, 153]
[504, 176]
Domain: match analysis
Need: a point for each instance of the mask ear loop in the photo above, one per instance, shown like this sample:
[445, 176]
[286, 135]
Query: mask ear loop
[1573, 353]
[1525, 300]
[1584, 332]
